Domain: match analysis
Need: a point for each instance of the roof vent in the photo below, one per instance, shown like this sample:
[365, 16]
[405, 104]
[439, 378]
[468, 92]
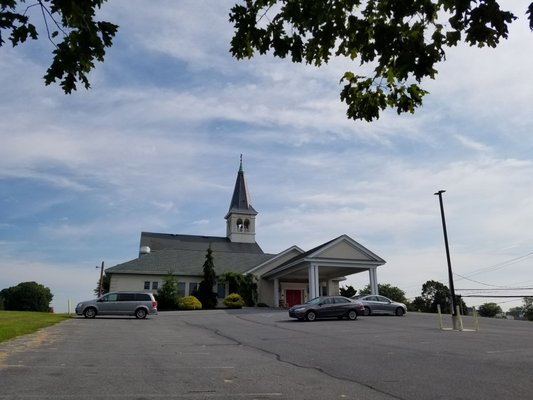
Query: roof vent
[144, 250]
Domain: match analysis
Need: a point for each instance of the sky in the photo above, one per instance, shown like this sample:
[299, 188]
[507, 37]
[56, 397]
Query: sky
[154, 146]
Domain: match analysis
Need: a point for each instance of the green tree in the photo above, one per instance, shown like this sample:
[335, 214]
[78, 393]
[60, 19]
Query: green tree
[517, 312]
[347, 291]
[167, 296]
[434, 293]
[244, 285]
[78, 39]
[401, 41]
[489, 310]
[106, 281]
[385, 289]
[27, 296]
[528, 308]
[207, 297]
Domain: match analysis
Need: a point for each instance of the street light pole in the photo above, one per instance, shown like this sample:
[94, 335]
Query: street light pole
[455, 317]
[101, 279]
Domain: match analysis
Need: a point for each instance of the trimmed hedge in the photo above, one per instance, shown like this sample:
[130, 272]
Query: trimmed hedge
[189, 303]
[234, 300]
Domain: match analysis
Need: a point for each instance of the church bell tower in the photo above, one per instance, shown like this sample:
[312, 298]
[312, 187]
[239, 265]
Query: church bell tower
[240, 219]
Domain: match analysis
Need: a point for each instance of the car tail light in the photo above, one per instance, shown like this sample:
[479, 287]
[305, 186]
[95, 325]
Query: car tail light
[154, 303]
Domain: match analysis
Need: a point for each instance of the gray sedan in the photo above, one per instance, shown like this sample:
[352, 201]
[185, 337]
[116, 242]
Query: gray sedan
[327, 307]
[375, 304]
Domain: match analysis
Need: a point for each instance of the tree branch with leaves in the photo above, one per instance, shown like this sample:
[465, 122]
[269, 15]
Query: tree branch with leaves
[401, 40]
[79, 40]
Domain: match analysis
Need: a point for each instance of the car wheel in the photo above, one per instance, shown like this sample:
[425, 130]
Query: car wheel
[367, 310]
[310, 316]
[140, 313]
[352, 315]
[399, 312]
[89, 312]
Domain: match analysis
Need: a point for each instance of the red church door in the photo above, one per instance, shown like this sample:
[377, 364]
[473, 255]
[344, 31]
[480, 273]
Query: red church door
[294, 297]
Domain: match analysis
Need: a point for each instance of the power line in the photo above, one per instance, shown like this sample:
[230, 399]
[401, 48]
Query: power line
[495, 289]
[494, 296]
[500, 265]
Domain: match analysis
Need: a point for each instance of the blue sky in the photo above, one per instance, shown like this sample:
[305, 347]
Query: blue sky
[155, 145]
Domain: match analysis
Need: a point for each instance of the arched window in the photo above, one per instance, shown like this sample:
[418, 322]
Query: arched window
[240, 226]
[246, 225]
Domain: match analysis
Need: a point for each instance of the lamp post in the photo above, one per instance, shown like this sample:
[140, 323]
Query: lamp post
[455, 317]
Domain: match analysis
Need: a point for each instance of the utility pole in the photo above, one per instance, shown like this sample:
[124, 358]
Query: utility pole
[101, 279]
[455, 317]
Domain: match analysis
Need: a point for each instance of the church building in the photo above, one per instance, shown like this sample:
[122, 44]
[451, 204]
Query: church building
[284, 279]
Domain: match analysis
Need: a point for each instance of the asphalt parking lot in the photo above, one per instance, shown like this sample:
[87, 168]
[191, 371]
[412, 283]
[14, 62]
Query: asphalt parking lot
[263, 354]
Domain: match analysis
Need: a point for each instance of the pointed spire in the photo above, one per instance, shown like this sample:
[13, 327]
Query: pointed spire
[240, 200]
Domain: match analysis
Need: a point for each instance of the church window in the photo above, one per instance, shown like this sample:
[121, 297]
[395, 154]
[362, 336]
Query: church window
[240, 226]
[246, 225]
[181, 289]
[193, 287]
[221, 290]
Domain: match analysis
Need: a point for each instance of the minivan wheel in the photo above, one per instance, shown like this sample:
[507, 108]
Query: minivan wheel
[352, 315]
[310, 316]
[399, 312]
[89, 312]
[140, 313]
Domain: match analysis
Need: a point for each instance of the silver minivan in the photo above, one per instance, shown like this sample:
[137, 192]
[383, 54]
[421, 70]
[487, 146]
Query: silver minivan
[139, 304]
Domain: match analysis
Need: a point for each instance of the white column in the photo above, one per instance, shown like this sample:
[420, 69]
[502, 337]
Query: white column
[276, 292]
[314, 283]
[373, 280]
[329, 285]
[311, 281]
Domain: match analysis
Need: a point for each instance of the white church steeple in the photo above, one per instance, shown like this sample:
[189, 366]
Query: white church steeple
[240, 219]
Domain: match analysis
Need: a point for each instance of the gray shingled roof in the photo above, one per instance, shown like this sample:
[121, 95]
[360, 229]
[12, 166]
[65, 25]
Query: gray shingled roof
[188, 262]
[166, 241]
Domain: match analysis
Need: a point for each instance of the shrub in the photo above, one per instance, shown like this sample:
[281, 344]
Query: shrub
[234, 300]
[189, 303]
[167, 296]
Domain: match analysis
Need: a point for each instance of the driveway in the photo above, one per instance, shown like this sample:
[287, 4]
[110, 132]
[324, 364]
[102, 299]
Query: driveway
[262, 354]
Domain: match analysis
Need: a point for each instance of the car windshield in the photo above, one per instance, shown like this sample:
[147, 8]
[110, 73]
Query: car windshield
[316, 300]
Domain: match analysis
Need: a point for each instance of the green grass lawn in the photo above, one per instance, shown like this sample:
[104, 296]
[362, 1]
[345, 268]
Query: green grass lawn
[16, 323]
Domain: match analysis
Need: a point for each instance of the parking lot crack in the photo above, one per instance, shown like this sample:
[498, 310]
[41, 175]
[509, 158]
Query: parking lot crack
[292, 363]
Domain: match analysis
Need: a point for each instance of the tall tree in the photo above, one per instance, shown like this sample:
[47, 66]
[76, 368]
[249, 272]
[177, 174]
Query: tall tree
[207, 297]
[401, 41]
[27, 296]
[78, 39]
[528, 308]
[489, 310]
[433, 294]
[106, 282]
[385, 289]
